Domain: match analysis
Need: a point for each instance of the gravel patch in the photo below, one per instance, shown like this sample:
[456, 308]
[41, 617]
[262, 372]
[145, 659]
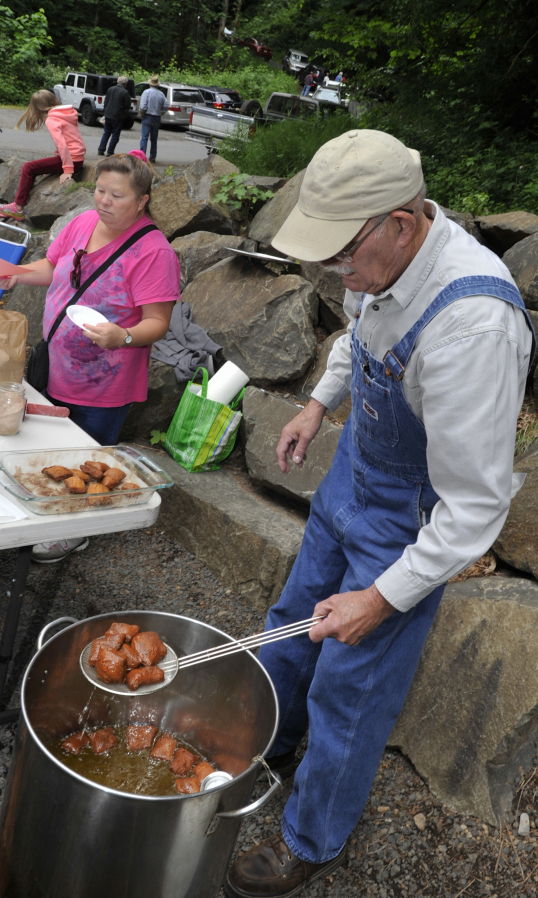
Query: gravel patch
[406, 844]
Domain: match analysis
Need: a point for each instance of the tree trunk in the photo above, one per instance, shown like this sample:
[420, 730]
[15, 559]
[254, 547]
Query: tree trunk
[95, 24]
[237, 15]
[222, 23]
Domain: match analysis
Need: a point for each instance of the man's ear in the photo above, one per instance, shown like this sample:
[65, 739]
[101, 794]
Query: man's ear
[407, 225]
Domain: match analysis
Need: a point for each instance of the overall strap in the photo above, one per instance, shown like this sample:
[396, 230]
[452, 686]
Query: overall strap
[98, 272]
[397, 358]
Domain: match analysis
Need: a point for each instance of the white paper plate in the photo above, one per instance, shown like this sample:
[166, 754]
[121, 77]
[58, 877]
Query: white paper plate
[81, 315]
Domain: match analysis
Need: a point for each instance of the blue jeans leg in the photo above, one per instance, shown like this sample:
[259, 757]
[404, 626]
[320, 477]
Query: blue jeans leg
[348, 696]
[115, 136]
[150, 129]
[102, 424]
[107, 131]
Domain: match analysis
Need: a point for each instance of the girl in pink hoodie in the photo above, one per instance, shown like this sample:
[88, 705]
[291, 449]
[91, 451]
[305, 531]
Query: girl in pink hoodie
[62, 122]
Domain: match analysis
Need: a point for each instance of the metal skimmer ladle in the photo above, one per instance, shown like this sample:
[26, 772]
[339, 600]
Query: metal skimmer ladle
[171, 663]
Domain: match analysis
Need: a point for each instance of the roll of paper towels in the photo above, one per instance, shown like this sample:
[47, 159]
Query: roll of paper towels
[226, 383]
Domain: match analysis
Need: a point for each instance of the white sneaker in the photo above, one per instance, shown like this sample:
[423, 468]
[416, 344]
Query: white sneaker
[48, 553]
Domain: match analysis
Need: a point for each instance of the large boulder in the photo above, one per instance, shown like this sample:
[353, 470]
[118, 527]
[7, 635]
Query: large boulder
[86, 203]
[466, 221]
[518, 540]
[306, 386]
[264, 323]
[505, 229]
[264, 416]
[249, 539]
[50, 200]
[470, 720]
[10, 173]
[522, 261]
[157, 411]
[201, 250]
[30, 300]
[183, 203]
[331, 291]
[270, 219]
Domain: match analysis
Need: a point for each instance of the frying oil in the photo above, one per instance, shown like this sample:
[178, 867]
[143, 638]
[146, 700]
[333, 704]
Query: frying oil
[126, 771]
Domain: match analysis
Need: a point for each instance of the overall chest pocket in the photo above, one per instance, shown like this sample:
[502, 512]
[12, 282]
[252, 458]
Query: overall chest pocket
[373, 412]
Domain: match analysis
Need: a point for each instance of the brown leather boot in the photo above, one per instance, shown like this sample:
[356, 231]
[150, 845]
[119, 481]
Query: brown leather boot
[271, 870]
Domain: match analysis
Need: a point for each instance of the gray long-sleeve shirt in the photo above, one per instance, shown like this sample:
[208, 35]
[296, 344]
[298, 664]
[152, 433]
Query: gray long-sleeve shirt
[153, 101]
[465, 380]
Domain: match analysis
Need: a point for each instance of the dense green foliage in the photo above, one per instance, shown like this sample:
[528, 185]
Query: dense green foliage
[456, 79]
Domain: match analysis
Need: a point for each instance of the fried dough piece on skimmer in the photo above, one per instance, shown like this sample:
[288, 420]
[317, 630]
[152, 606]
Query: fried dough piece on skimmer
[149, 647]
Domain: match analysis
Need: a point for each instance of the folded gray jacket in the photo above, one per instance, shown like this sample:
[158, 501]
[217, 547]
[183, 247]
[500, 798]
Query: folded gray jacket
[186, 346]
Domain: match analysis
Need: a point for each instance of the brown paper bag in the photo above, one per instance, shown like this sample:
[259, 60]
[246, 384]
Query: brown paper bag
[13, 334]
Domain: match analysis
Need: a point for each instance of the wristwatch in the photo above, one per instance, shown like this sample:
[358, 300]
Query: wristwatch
[128, 337]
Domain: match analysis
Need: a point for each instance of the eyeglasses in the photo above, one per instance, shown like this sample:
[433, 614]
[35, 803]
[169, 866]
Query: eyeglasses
[346, 254]
[74, 277]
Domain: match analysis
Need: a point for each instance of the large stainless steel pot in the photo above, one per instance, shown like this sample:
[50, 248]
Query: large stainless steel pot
[63, 836]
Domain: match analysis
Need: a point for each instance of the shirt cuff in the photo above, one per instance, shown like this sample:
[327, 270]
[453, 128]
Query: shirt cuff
[401, 588]
[330, 391]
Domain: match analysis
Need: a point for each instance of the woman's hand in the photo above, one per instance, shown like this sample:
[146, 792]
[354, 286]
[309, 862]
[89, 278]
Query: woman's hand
[8, 282]
[65, 177]
[107, 336]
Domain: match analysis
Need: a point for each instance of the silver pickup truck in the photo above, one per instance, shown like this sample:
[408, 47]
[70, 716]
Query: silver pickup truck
[208, 125]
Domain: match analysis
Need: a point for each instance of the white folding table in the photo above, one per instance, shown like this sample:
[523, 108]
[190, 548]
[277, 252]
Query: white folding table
[51, 433]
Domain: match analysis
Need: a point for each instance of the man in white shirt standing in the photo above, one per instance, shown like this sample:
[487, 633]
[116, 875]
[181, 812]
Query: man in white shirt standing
[436, 358]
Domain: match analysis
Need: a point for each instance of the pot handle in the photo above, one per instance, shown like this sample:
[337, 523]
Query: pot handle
[54, 623]
[249, 808]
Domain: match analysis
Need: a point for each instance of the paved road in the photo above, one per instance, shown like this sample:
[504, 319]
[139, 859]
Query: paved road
[173, 147]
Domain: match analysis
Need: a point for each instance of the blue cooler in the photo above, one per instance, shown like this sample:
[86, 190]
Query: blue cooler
[12, 250]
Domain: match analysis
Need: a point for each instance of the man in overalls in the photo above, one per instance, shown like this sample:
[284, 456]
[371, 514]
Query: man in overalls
[436, 357]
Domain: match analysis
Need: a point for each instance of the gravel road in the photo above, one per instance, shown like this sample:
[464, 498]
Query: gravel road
[394, 852]
[173, 148]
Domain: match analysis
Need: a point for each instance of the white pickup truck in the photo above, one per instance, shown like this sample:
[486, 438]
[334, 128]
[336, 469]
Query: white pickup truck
[86, 92]
[208, 125]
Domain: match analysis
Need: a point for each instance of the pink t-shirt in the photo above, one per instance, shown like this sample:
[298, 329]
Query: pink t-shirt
[81, 372]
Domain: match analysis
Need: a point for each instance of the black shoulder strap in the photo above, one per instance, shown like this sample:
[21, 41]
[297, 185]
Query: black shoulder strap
[98, 271]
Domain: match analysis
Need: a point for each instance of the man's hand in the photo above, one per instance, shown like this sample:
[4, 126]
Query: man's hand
[298, 434]
[350, 616]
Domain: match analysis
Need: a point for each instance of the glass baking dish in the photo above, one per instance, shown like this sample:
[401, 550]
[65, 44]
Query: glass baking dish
[20, 474]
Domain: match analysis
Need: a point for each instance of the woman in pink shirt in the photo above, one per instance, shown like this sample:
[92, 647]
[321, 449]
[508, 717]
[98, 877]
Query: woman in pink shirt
[62, 123]
[99, 370]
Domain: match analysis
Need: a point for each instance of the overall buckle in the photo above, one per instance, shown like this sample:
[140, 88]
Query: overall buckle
[391, 360]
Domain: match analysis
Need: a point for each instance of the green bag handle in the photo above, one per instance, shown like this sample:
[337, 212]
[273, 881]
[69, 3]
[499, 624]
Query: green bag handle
[205, 377]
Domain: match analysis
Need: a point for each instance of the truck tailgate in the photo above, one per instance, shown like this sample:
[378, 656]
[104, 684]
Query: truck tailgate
[217, 122]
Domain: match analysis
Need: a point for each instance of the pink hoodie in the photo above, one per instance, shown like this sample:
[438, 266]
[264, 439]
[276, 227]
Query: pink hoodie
[62, 122]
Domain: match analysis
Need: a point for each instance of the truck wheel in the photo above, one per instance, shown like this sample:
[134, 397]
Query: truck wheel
[252, 108]
[127, 124]
[87, 115]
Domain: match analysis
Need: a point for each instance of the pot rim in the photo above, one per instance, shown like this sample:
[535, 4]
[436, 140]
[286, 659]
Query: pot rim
[132, 795]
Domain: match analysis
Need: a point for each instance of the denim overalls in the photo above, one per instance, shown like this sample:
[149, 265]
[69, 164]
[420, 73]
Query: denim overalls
[369, 507]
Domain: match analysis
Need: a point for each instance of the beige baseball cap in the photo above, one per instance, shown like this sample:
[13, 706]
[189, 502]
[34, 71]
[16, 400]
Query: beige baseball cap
[352, 178]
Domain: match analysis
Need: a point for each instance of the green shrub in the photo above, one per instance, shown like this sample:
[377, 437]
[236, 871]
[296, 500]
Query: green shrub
[284, 148]
[254, 79]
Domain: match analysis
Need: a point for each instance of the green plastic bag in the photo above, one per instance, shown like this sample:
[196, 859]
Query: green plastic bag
[202, 433]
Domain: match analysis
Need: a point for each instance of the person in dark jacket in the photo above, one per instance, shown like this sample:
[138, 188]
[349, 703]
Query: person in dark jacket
[117, 105]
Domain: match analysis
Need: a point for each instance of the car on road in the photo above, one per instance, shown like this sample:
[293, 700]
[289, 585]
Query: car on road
[220, 97]
[207, 124]
[294, 61]
[256, 47]
[331, 92]
[181, 98]
[86, 91]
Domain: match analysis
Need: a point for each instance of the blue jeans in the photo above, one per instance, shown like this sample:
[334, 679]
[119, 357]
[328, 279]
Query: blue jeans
[150, 128]
[306, 90]
[111, 130]
[102, 424]
[348, 697]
